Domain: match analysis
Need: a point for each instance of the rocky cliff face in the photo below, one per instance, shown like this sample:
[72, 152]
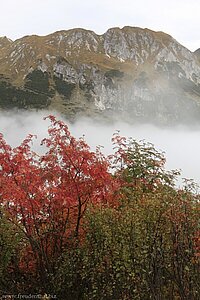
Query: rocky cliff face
[129, 73]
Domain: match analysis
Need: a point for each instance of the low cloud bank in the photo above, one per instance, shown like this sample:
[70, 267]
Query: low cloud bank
[180, 144]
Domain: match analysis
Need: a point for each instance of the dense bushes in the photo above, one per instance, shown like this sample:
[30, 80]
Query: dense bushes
[144, 249]
[15, 97]
[82, 226]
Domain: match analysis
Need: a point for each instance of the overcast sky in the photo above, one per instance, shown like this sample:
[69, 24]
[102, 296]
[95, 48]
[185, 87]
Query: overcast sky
[179, 18]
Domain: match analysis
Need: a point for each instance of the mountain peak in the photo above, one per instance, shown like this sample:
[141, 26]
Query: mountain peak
[130, 71]
[4, 41]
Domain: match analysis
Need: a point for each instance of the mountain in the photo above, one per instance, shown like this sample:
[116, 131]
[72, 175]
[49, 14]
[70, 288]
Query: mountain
[130, 73]
[197, 53]
[4, 41]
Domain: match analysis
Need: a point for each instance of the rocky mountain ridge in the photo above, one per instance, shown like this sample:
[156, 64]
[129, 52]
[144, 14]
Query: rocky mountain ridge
[129, 73]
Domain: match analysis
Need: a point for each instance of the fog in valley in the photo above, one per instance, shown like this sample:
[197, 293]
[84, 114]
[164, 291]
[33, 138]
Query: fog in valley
[181, 144]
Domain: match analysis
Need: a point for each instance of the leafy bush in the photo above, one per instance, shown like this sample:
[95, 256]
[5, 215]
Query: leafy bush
[71, 227]
[10, 241]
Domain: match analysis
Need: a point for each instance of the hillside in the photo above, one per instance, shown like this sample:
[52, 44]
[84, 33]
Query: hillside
[130, 73]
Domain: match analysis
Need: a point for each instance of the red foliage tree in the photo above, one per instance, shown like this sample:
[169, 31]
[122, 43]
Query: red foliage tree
[46, 195]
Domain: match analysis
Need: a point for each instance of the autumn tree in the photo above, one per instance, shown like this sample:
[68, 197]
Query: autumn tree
[77, 223]
[46, 195]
